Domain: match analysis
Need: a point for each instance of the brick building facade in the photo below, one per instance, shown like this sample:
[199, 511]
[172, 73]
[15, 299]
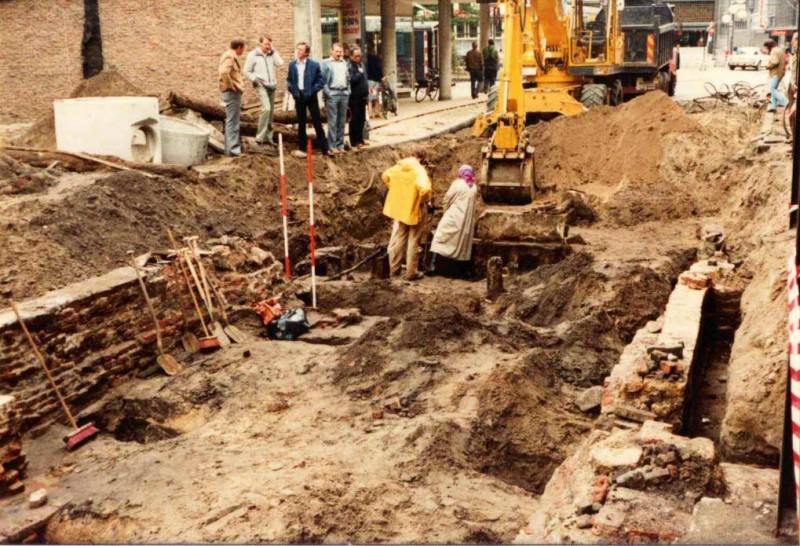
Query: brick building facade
[694, 12]
[158, 45]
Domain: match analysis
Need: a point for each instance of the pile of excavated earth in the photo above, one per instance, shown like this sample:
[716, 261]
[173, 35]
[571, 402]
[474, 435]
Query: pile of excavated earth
[434, 414]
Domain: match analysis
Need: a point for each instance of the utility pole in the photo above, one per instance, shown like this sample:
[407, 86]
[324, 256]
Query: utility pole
[445, 49]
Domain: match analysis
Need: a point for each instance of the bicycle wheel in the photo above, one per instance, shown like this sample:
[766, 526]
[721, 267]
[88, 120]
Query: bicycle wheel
[434, 93]
[419, 94]
[787, 121]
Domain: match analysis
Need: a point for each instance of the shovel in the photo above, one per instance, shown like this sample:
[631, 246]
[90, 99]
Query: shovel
[189, 341]
[209, 342]
[233, 332]
[79, 435]
[216, 327]
[167, 362]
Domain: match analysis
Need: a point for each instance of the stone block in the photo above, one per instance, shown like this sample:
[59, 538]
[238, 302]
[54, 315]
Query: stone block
[695, 281]
[657, 475]
[633, 414]
[615, 457]
[608, 523]
[590, 399]
[37, 499]
[633, 479]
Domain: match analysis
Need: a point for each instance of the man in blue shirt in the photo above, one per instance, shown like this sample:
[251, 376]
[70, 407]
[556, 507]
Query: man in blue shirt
[304, 82]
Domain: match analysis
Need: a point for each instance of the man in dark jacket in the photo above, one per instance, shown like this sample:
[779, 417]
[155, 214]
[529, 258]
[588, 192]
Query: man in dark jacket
[491, 63]
[304, 82]
[474, 61]
[359, 93]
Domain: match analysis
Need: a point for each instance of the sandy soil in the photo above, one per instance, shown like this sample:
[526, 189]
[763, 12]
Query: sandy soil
[441, 416]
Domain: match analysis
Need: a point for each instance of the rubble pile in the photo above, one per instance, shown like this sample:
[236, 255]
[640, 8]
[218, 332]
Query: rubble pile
[626, 486]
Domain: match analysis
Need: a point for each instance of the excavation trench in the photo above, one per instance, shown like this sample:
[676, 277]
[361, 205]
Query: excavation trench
[707, 404]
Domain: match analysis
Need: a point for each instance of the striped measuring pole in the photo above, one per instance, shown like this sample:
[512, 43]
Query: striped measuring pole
[312, 227]
[285, 213]
[794, 370]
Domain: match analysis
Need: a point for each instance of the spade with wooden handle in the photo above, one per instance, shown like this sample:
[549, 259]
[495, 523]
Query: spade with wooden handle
[167, 362]
[233, 332]
[214, 326]
[209, 342]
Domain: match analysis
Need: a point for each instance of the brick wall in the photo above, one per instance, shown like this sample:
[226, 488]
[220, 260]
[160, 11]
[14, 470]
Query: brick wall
[93, 334]
[157, 44]
[694, 12]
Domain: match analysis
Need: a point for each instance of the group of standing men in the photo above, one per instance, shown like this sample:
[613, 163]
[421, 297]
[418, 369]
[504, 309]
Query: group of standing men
[343, 84]
[482, 67]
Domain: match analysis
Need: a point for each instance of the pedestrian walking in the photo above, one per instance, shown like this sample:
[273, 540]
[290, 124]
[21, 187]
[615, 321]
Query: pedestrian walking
[336, 92]
[260, 68]
[491, 64]
[304, 82]
[474, 61]
[359, 93]
[453, 237]
[777, 68]
[407, 204]
[374, 77]
[231, 85]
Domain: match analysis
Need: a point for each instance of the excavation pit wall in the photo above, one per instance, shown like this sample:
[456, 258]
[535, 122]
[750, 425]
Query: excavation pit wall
[638, 477]
[94, 334]
[642, 387]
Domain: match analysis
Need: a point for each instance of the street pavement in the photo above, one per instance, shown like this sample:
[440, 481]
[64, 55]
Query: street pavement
[694, 73]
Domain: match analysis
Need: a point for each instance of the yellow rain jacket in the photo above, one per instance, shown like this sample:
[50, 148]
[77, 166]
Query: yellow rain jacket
[409, 187]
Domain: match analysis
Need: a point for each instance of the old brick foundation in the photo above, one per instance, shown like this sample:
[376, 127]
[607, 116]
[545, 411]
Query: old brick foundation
[94, 334]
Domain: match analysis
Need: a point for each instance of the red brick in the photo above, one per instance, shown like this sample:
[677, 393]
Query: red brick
[168, 45]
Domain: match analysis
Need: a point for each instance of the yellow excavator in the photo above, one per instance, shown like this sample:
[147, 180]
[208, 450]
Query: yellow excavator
[561, 62]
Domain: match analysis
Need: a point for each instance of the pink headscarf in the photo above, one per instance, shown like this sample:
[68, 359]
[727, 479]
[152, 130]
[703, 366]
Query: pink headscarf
[467, 174]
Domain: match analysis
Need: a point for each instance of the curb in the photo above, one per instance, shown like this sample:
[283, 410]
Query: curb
[463, 124]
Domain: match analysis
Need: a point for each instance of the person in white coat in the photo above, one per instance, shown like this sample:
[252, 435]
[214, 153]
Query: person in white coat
[453, 237]
[261, 69]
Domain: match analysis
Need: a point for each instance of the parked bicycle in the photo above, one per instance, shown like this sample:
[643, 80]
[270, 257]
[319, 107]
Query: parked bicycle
[429, 87]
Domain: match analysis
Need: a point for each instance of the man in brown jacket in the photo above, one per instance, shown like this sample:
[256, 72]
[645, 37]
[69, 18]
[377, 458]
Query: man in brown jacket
[777, 68]
[474, 61]
[231, 85]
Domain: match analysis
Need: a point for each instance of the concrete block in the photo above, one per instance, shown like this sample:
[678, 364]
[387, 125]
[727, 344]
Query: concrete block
[505, 225]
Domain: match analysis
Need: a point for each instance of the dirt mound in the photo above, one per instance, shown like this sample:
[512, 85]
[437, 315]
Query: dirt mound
[638, 162]
[605, 145]
[108, 83]
[525, 427]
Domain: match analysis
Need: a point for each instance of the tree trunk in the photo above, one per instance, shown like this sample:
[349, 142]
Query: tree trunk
[389, 40]
[445, 49]
[92, 42]
[484, 25]
[212, 110]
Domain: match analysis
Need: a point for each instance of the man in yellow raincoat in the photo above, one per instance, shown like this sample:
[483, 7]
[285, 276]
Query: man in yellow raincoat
[407, 204]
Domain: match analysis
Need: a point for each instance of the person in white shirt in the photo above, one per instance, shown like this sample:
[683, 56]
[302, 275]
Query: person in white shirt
[336, 92]
[261, 69]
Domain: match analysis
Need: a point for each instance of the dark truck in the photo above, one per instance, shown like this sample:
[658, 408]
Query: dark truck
[651, 35]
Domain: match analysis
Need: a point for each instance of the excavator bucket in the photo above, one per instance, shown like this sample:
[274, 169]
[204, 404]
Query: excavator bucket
[507, 177]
